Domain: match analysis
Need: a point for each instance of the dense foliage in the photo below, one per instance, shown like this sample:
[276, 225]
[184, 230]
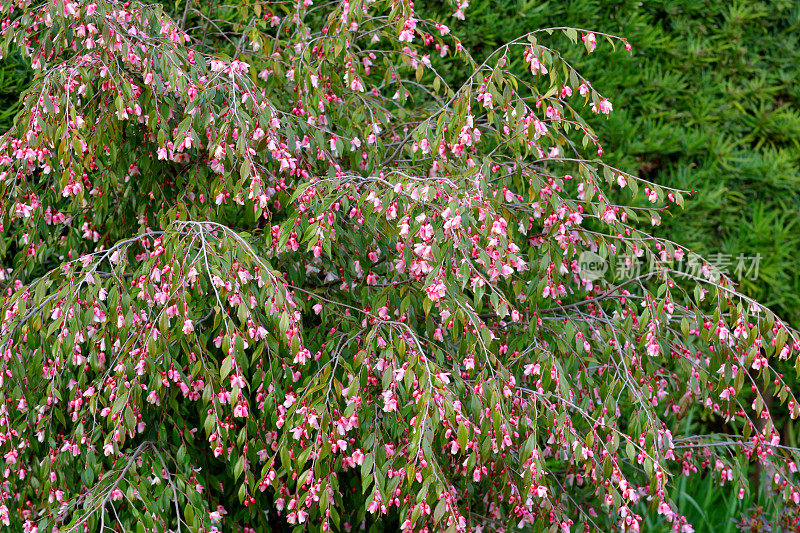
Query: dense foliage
[268, 264]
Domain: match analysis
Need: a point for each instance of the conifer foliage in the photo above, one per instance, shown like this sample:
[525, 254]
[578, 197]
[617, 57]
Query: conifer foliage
[278, 271]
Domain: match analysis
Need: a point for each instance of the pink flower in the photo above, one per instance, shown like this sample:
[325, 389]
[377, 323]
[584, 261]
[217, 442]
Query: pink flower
[375, 504]
[389, 401]
[406, 36]
[358, 457]
[476, 474]
[302, 356]
[591, 41]
[240, 410]
[425, 146]
[407, 33]
[436, 290]
[356, 85]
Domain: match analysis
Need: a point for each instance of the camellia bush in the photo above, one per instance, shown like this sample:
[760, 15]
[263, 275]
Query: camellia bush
[265, 268]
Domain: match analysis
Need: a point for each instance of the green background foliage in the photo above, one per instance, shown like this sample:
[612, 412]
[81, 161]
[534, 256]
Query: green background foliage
[15, 76]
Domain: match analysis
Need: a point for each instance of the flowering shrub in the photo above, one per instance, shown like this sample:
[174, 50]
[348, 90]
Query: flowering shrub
[276, 270]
